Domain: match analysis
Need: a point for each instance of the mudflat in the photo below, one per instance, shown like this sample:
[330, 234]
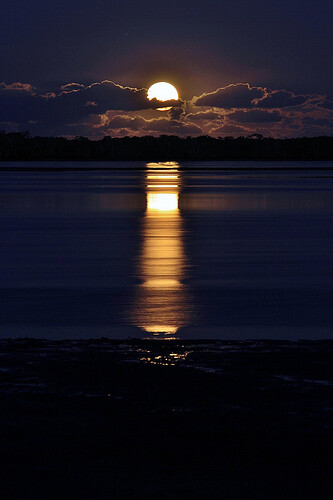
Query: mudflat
[169, 419]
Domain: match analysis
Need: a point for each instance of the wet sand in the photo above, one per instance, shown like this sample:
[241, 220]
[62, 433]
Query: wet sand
[169, 419]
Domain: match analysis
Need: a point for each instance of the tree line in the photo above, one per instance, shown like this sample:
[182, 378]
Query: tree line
[20, 146]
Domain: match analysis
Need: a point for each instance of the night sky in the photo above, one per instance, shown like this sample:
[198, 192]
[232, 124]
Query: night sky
[82, 67]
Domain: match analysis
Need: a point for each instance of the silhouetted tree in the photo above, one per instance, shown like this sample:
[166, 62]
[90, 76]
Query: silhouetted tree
[20, 146]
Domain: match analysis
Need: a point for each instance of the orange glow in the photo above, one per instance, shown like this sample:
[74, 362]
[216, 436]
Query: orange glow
[167, 329]
[164, 177]
[162, 166]
[163, 202]
[160, 307]
[162, 186]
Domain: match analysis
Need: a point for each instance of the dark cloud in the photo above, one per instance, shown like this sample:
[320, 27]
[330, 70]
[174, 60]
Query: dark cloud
[255, 116]
[281, 99]
[107, 107]
[175, 113]
[20, 104]
[154, 126]
[238, 95]
[26, 87]
[131, 123]
[71, 86]
[326, 104]
[106, 95]
[165, 126]
[229, 130]
[204, 115]
[155, 104]
[242, 95]
[320, 122]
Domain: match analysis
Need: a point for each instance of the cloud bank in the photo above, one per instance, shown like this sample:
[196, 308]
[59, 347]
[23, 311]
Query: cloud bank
[108, 108]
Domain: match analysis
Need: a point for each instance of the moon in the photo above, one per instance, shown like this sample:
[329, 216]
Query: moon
[162, 91]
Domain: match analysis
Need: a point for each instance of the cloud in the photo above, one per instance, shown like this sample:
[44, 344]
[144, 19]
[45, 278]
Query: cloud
[316, 126]
[131, 123]
[229, 130]
[25, 87]
[72, 103]
[175, 113]
[19, 106]
[106, 95]
[158, 126]
[255, 116]
[18, 102]
[325, 103]
[165, 126]
[106, 107]
[156, 104]
[71, 86]
[235, 95]
[110, 95]
[281, 99]
[321, 122]
[243, 95]
[204, 116]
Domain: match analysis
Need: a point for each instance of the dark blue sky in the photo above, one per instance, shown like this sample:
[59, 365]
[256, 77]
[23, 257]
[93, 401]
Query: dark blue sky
[197, 45]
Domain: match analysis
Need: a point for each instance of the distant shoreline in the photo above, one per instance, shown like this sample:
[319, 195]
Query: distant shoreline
[17, 146]
[179, 168]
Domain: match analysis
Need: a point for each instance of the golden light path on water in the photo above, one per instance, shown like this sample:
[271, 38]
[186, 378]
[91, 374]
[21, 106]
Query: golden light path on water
[161, 304]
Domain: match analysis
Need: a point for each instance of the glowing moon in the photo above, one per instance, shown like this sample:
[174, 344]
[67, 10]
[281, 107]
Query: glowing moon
[162, 91]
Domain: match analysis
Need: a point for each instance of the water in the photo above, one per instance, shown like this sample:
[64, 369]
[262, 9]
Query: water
[216, 250]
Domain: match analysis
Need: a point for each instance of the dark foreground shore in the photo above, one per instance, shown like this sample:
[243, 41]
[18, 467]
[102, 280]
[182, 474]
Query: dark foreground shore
[166, 420]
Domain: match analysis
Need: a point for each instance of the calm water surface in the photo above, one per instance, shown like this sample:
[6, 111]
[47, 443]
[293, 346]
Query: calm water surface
[166, 250]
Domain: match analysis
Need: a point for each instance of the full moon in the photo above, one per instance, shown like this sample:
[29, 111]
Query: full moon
[162, 91]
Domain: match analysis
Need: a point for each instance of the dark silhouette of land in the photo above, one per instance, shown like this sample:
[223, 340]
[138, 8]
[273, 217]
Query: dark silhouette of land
[20, 146]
